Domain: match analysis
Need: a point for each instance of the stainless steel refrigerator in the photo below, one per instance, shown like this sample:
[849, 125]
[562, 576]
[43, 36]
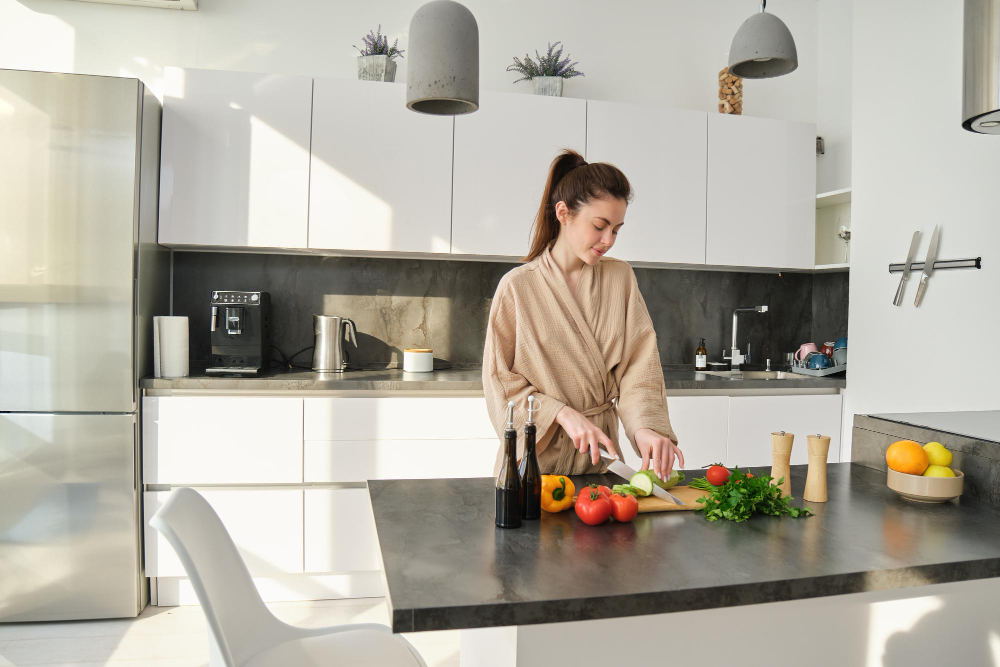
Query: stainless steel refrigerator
[80, 278]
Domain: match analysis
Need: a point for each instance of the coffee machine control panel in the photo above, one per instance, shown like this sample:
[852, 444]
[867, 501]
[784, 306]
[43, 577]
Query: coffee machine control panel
[235, 298]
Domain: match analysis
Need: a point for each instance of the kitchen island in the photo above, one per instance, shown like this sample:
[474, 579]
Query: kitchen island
[833, 588]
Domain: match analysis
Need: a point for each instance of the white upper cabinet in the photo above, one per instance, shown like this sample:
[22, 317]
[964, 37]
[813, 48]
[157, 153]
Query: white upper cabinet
[502, 156]
[234, 159]
[663, 154]
[761, 192]
[381, 174]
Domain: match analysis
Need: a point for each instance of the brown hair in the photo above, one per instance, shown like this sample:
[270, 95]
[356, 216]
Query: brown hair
[576, 182]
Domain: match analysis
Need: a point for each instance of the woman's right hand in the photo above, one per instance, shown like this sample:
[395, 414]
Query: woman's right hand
[586, 436]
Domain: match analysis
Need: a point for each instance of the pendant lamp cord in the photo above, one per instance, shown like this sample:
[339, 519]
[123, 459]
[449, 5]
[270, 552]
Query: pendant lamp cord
[763, 4]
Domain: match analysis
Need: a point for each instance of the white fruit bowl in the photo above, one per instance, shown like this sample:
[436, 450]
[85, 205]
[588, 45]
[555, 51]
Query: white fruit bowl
[926, 489]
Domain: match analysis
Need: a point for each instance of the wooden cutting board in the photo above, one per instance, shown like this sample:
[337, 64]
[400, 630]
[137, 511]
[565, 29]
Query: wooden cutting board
[687, 495]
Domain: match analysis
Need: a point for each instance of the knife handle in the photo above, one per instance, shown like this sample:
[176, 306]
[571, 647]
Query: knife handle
[920, 291]
[898, 300]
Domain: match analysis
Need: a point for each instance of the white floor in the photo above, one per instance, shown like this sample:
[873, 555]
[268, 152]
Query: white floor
[176, 636]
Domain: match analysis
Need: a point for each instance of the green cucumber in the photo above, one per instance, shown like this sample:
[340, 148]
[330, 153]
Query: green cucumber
[676, 477]
[643, 483]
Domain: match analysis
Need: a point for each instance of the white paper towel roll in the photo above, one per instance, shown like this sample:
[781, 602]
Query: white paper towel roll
[170, 346]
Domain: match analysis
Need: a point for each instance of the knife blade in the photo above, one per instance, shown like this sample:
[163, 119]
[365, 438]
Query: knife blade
[622, 470]
[932, 251]
[910, 256]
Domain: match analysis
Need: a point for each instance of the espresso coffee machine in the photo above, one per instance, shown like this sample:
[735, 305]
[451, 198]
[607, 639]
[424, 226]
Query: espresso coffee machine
[240, 327]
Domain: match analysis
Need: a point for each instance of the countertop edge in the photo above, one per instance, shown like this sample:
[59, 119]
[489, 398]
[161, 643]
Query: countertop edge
[695, 599]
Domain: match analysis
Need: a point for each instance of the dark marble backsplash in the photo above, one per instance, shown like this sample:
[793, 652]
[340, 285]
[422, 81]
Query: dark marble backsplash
[444, 304]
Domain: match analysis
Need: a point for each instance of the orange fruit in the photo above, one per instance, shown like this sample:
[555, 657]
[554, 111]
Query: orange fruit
[908, 457]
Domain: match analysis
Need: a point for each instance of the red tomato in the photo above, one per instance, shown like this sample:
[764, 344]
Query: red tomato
[603, 490]
[717, 475]
[592, 508]
[624, 507]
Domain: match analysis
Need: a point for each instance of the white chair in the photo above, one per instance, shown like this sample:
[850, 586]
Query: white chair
[245, 632]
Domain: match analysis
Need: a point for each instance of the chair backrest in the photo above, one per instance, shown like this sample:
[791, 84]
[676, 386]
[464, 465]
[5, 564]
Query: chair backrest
[239, 621]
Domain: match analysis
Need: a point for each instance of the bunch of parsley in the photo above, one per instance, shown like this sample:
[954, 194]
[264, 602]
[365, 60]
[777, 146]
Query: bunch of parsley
[744, 495]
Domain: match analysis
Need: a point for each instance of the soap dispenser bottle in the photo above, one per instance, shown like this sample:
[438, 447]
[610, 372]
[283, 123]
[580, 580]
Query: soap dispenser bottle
[701, 357]
[508, 483]
[530, 474]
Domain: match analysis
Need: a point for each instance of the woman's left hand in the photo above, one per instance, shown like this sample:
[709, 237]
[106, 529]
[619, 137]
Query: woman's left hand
[657, 452]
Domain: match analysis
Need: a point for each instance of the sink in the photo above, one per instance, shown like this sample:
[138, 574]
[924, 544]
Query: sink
[754, 375]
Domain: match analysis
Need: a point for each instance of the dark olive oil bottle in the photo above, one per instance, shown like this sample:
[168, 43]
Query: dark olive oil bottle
[508, 483]
[530, 474]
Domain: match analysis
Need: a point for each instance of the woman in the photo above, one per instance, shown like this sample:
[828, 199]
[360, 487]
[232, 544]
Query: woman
[570, 327]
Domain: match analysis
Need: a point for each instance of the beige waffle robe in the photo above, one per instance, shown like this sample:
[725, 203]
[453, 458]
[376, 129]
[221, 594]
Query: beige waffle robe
[595, 352]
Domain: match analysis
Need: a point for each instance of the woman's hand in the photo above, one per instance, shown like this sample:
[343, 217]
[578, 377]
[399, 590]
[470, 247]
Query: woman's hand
[658, 452]
[586, 436]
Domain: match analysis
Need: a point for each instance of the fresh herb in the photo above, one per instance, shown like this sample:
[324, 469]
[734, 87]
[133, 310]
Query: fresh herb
[377, 44]
[551, 64]
[744, 495]
[701, 483]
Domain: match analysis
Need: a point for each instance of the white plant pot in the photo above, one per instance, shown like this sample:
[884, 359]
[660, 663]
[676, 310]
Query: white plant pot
[548, 85]
[376, 68]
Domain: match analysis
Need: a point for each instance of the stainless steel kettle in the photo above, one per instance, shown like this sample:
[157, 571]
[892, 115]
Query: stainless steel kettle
[329, 354]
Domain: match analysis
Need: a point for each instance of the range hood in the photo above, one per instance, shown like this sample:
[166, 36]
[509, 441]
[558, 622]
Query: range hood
[981, 67]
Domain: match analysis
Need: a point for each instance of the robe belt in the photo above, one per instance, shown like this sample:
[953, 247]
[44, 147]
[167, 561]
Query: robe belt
[593, 412]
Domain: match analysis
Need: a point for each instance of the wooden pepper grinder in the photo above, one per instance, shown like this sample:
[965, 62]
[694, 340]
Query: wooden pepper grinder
[819, 448]
[781, 454]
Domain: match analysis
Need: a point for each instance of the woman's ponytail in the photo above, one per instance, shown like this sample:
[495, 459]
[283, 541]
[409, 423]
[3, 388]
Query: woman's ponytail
[576, 182]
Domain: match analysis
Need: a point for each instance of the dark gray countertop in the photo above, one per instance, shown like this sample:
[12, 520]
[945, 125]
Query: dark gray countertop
[448, 567]
[444, 380]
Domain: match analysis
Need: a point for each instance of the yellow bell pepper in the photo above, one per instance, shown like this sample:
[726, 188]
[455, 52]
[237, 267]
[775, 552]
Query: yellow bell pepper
[557, 493]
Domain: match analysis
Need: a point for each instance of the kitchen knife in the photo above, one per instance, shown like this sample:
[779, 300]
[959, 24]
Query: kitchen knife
[932, 251]
[622, 470]
[910, 256]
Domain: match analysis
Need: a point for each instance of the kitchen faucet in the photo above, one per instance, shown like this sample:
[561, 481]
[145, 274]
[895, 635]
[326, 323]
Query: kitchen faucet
[735, 358]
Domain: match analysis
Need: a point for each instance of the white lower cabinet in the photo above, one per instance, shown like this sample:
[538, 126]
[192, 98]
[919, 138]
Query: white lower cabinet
[190, 440]
[701, 424]
[752, 419]
[340, 531]
[402, 418]
[360, 460]
[265, 525]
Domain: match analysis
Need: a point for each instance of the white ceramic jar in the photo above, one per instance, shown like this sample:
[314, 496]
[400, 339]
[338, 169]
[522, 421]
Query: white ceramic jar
[418, 360]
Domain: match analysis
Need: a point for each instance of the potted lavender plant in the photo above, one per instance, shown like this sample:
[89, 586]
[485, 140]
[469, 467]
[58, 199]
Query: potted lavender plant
[547, 72]
[376, 60]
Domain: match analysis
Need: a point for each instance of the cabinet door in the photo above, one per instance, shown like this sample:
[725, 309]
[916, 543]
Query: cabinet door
[761, 192]
[234, 159]
[381, 174]
[340, 531]
[502, 157]
[221, 440]
[265, 524]
[752, 419]
[702, 426]
[663, 154]
[402, 418]
[361, 460]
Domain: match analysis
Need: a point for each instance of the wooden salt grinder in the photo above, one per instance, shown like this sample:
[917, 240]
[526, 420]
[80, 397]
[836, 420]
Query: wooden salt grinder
[781, 454]
[819, 448]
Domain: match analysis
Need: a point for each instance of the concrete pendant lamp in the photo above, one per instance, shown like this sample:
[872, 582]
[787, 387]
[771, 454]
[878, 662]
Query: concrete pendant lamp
[443, 75]
[763, 48]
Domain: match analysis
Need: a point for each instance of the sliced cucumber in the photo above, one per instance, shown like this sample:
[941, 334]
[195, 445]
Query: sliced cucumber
[642, 483]
[627, 488]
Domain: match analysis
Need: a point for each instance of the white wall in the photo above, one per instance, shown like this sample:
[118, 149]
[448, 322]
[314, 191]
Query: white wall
[833, 109]
[914, 167]
[654, 51]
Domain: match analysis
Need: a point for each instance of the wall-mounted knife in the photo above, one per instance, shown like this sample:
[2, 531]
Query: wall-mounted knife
[910, 256]
[932, 252]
